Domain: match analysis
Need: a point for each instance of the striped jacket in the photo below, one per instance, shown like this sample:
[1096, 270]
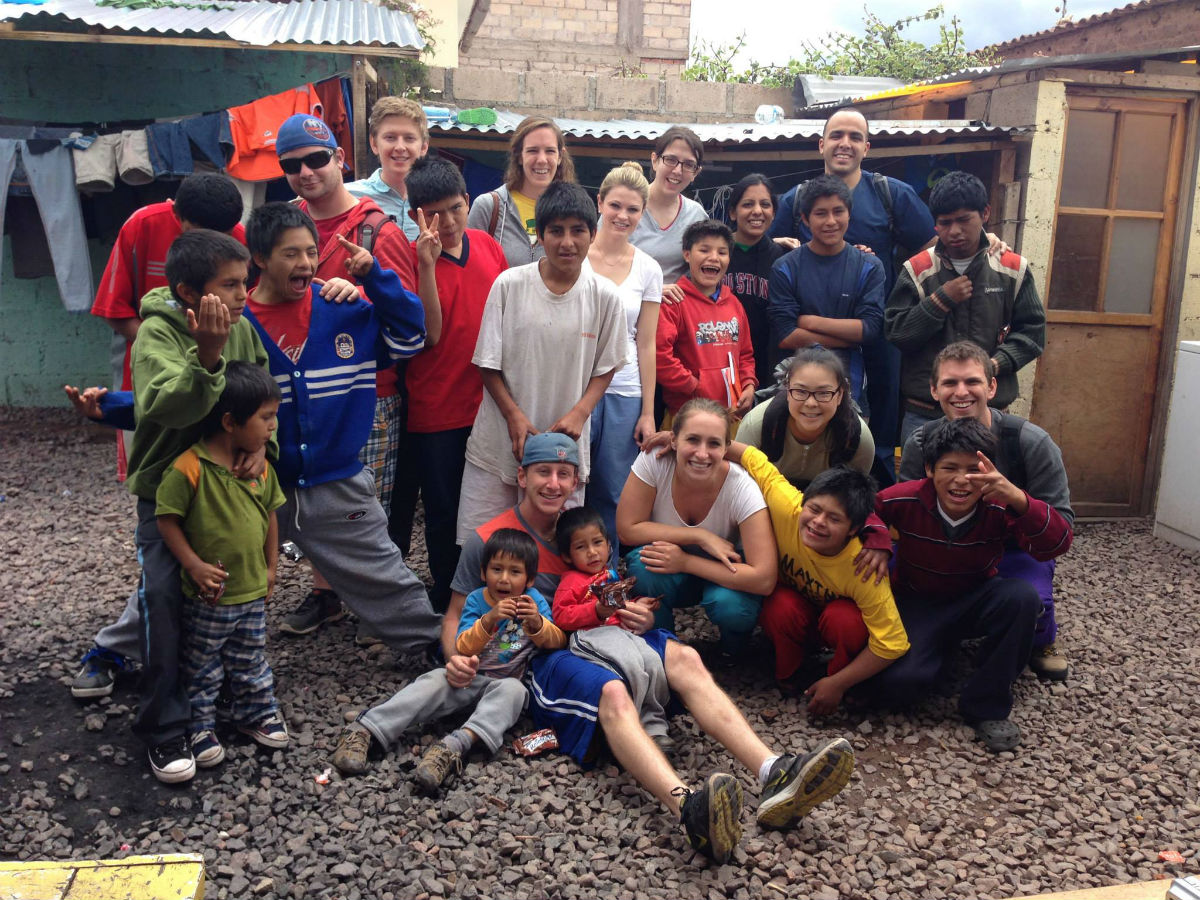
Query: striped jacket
[931, 564]
[329, 393]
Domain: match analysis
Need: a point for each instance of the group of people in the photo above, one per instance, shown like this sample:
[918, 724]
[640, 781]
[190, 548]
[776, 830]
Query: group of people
[572, 375]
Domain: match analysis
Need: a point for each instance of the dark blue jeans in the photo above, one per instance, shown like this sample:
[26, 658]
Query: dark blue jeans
[882, 363]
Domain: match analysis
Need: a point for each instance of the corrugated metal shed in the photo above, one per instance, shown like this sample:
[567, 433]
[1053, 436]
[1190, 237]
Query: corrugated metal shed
[725, 133]
[257, 22]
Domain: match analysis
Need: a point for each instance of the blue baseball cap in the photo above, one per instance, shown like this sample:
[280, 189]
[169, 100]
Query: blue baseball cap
[550, 447]
[303, 130]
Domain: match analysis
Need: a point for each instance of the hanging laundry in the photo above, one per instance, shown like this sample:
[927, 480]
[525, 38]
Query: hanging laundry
[211, 137]
[52, 183]
[253, 127]
[126, 154]
[170, 150]
[330, 92]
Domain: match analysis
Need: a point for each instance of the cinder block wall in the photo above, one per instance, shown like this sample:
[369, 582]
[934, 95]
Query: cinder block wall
[596, 96]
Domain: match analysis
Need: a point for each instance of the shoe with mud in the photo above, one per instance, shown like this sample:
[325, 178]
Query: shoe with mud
[711, 816]
[1048, 664]
[172, 761]
[436, 767]
[319, 608]
[796, 784]
[97, 673]
[353, 750]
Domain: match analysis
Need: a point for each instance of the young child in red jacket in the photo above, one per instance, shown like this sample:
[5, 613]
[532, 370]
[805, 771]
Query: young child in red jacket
[703, 346]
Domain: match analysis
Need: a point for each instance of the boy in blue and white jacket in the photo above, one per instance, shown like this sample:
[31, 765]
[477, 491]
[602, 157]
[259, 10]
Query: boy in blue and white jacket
[324, 356]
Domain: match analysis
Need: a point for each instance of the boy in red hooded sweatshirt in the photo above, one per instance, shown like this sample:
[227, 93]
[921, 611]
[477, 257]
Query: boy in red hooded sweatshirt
[703, 344]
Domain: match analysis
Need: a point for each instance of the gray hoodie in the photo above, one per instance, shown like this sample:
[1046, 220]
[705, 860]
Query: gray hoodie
[509, 231]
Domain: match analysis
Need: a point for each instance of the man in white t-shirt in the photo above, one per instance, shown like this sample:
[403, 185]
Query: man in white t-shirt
[552, 336]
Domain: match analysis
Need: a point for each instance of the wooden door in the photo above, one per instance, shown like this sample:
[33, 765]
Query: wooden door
[1107, 297]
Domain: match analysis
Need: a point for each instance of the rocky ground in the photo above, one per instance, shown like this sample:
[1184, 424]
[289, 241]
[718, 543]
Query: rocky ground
[1106, 781]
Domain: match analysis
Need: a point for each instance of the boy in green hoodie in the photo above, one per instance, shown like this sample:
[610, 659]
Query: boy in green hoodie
[188, 334]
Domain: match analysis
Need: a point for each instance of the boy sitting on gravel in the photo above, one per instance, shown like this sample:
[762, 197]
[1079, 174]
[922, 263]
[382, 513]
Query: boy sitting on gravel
[223, 531]
[952, 527]
[503, 623]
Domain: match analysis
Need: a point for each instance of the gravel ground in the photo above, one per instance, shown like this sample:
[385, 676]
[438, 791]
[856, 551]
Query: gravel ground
[1107, 779]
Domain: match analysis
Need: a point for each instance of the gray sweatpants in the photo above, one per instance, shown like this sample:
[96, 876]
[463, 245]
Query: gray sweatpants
[342, 528]
[498, 703]
[639, 666]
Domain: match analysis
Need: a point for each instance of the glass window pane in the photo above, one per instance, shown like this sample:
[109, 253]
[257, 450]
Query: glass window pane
[1131, 256]
[1145, 146]
[1075, 272]
[1088, 158]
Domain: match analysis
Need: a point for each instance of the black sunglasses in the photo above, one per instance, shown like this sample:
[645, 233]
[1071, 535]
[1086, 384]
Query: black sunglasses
[318, 159]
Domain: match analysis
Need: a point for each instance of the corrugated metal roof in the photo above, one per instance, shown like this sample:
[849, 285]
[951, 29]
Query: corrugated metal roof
[1068, 26]
[1117, 59]
[725, 132]
[259, 23]
[815, 89]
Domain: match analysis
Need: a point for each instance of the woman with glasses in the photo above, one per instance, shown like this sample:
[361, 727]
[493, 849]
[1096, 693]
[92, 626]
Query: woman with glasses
[624, 417]
[537, 157]
[676, 161]
[811, 424]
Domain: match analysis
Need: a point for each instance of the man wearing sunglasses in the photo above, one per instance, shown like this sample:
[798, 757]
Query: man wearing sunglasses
[312, 162]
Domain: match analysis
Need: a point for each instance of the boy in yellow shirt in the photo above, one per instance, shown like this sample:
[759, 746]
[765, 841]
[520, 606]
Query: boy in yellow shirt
[820, 595]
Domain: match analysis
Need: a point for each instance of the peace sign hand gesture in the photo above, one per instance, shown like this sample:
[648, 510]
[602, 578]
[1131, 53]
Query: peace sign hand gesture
[996, 488]
[359, 262]
[429, 242]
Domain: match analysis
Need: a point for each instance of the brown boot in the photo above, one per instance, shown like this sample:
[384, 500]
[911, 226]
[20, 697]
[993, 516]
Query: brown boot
[1048, 664]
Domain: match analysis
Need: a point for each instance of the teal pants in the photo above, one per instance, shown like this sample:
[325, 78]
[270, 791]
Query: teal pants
[735, 613]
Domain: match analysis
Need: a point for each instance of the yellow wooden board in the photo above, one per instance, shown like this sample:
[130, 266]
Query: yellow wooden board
[1143, 890]
[178, 876]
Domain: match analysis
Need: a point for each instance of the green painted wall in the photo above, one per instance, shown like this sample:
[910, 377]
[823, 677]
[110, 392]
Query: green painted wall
[123, 82]
[42, 346]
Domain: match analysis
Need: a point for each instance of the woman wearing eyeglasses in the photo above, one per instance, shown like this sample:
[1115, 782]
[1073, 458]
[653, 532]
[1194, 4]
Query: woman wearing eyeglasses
[537, 157]
[676, 161]
[811, 425]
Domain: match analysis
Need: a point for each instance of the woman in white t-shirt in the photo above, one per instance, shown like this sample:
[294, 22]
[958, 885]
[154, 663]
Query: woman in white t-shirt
[685, 513]
[624, 417]
[676, 160]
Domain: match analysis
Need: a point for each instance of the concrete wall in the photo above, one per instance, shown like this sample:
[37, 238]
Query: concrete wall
[583, 36]
[598, 97]
[1189, 314]
[42, 345]
[1157, 26]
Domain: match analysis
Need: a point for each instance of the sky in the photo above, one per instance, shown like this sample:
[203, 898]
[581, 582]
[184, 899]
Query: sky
[775, 28]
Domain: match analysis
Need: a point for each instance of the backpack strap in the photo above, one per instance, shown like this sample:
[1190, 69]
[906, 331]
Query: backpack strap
[1010, 445]
[495, 216]
[368, 229]
[797, 219]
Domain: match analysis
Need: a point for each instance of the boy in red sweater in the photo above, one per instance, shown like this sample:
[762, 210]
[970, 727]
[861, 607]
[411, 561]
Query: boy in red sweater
[703, 343]
[951, 530]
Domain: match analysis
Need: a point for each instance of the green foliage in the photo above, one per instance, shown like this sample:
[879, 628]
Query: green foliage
[410, 77]
[881, 51]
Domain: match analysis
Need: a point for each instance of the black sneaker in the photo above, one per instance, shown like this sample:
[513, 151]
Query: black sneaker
[318, 608]
[796, 784]
[172, 761]
[712, 815]
[98, 670]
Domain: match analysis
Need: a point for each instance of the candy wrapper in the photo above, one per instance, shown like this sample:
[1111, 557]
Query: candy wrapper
[536, 743]
[615, 594]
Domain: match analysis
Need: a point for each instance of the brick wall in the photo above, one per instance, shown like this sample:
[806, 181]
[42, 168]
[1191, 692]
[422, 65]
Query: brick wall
[1151, 26]
[583, 37]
